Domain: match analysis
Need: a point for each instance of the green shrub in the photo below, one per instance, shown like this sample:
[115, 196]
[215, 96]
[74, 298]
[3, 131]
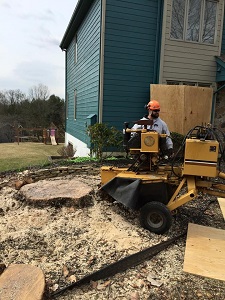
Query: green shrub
[67, 151]
[83, 159]
[103, 138]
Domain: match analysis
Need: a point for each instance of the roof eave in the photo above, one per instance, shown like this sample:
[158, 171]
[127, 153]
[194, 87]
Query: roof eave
[78, 15]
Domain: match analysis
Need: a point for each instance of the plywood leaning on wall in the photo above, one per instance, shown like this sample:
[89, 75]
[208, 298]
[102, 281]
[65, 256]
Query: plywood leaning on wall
[183, 107]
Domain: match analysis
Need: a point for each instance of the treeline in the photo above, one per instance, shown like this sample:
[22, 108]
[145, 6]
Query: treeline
[36, 109]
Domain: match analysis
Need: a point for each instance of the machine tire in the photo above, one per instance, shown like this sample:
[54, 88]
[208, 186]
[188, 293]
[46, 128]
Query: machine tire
[156, 217]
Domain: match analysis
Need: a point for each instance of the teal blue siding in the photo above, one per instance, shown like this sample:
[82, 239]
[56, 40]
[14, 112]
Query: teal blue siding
[132, 40]
[84, 74]
[220, 74]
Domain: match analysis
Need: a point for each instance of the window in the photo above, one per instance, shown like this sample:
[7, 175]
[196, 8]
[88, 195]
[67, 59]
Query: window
[75, 49]
[75, 104]
[194, 20]
[177, 24]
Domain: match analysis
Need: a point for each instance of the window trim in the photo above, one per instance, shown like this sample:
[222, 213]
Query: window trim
[189, 83]
[67, 104]
[202, 15]
[75, 104]
[75, 49]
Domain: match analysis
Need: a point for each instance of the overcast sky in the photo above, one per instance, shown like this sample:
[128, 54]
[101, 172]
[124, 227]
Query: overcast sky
[30, 34]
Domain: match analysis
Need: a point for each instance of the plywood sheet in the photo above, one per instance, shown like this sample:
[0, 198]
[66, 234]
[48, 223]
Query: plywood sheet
[222, 205]
[204, 253]
[183, 107]
[197, 106]
[171, 99]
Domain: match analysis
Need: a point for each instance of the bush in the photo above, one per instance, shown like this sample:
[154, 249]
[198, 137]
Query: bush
[67, 151]
[103, 138]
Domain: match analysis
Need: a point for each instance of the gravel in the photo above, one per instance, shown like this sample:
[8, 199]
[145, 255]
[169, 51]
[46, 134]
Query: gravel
[68, 243]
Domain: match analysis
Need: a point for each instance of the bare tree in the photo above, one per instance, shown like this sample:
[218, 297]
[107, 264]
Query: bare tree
[3, 99]
[12, 96]
[40, 92]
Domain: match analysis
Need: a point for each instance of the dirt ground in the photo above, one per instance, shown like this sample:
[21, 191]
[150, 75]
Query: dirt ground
[68, 243]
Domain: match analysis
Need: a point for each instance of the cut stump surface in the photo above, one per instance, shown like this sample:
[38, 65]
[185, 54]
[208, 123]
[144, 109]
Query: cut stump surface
[22, 282]
[59, 191]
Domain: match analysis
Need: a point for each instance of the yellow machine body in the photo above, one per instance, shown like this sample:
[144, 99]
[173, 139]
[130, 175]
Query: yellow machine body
[108, 173]
[158, 186]
[200, 158]
[150, 142]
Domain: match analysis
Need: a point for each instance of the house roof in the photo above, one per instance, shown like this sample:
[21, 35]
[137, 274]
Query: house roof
[79, 13]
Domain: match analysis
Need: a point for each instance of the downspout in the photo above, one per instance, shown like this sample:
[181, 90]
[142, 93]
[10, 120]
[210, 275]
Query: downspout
[101, 71]
[214, 104]
[223, 86]
[158, 42]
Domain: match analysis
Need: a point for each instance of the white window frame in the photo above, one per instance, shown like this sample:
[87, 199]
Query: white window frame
[67, 104]
[75, 49]
[75, 104]
[185, 25]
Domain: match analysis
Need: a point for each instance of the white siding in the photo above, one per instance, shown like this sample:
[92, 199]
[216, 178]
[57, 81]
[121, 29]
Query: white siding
[81, 148]
[188, 61]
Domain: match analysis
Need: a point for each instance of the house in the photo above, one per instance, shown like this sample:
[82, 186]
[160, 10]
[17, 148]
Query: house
[116, 48]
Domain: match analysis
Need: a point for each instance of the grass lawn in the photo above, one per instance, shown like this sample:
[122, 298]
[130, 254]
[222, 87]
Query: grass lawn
[14, 156]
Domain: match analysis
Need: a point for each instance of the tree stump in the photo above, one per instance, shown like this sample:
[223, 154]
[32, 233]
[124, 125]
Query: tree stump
[22, 282]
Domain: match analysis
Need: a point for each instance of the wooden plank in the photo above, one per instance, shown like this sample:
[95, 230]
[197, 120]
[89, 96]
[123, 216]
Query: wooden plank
[183, 107]
[197, 106]
[171, 99]
[204, 253]
[222, 206]
[22, 282]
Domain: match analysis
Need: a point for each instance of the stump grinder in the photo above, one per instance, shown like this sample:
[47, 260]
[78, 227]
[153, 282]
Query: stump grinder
[156, 184]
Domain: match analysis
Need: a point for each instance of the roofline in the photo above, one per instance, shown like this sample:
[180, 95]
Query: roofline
[78, 15]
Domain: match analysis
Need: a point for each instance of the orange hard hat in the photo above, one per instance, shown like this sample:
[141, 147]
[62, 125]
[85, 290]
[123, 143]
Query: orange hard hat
[153, 105]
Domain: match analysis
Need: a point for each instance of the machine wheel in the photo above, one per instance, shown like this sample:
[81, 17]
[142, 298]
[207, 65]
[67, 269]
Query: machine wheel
[156, 217]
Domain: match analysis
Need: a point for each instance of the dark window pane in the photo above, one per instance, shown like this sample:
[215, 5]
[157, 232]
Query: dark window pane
[177, 22]
[194, 13]
[209, 25]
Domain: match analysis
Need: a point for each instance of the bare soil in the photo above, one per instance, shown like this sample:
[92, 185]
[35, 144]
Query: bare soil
[68, 243]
